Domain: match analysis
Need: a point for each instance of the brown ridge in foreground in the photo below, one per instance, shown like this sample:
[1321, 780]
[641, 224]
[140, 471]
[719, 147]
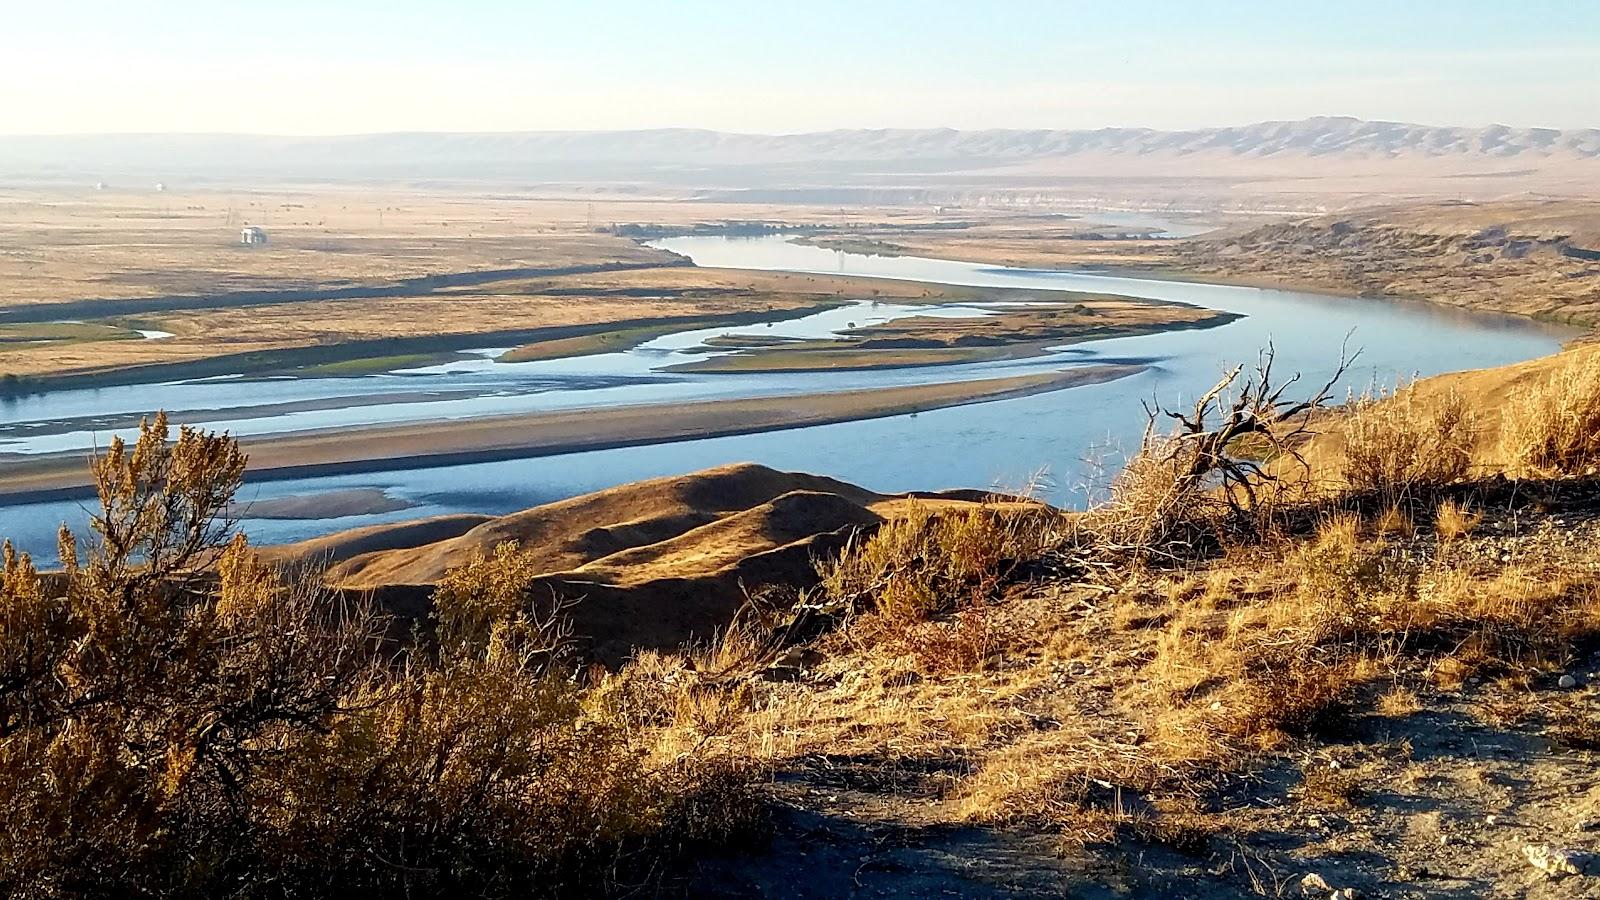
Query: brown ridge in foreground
[652, 565]
[431, 444]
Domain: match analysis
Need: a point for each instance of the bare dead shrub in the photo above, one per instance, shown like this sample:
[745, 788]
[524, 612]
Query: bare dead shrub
[1207, 478]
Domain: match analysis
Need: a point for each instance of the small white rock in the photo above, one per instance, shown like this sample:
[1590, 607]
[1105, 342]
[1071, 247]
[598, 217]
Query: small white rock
[1314, 882]
[1346, 894]
[1566, 682]
[1491, 820]
[1554, 861]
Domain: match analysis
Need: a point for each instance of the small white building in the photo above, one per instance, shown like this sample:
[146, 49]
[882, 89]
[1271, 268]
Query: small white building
[252, 234]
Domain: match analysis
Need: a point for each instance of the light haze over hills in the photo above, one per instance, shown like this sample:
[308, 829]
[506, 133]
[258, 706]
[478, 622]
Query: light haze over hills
[1316, 146]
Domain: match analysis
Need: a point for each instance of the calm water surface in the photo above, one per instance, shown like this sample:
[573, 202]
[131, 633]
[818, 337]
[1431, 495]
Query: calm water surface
[1067, 435]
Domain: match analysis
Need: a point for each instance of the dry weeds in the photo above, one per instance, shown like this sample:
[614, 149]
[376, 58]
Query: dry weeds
[177, 717]
[1395, 444]
[1553, 426]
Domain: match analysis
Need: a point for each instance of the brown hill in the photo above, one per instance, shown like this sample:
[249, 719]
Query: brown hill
[572, 533]
[1275, 146]
[1536, 258]
[654, 564]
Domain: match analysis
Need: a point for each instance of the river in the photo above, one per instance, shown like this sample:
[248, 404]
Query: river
[1067, 437]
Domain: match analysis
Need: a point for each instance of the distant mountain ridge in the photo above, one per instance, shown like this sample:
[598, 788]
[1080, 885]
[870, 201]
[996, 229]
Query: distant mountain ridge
[558, 154]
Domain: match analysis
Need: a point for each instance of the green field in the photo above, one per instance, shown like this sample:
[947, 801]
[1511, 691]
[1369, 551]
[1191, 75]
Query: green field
[814, 360]
[373, 365]
[64, 333]
[588, 344]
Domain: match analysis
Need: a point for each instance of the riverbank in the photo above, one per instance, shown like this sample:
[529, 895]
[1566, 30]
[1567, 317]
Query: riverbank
[1539, 259]
[543, 318]
[1006, 333]
[488, 439]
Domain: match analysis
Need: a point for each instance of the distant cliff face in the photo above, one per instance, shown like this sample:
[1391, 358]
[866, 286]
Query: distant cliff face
[1539, 259]
[752, 160]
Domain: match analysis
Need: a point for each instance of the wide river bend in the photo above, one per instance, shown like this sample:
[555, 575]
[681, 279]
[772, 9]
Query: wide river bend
[1069, 436]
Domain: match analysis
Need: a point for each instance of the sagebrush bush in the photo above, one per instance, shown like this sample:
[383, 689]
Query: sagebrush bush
[927, 564]
[1397, 442]
[1553, 426]
[924, 562]
[178, 718]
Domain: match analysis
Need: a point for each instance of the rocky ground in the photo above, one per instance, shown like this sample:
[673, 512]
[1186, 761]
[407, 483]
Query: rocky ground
[1025, 778]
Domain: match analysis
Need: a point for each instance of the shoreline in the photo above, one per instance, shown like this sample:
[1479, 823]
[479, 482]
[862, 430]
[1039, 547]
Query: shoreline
[525, 436]
[263, 362]
[1156, 272]
[860, 359]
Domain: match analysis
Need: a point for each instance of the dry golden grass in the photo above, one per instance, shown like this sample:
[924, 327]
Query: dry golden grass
[1533, 419]
[1150, 501]
[1398, 701]
[928, 563]
[1453, 521]
[1395, 522]
[1395, 443]
[1553, 425]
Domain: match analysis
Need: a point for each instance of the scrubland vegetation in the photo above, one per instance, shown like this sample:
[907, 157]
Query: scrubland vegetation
[1192, 663]
[178, 718]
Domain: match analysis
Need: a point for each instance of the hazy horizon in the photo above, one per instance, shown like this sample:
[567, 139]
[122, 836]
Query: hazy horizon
[298, 68]
[1518, 126]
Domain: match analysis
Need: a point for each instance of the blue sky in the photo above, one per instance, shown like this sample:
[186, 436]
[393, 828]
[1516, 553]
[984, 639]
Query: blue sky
[341, 66]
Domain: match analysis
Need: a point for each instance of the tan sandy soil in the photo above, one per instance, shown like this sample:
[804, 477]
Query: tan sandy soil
[343, 265]
[509, 305]
[541, 434]
[330, 505]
